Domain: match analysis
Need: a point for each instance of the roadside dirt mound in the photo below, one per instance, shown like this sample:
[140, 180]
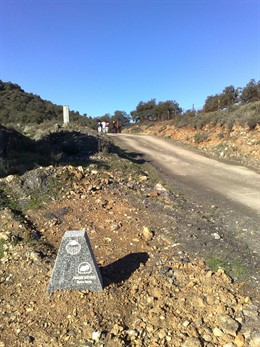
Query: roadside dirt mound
[154, 294]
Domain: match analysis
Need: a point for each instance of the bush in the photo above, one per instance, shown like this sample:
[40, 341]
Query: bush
[253, 122]
[230, 124]
[200, 137]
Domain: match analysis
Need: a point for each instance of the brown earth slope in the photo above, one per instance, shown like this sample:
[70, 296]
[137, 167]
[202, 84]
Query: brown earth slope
[154, 293]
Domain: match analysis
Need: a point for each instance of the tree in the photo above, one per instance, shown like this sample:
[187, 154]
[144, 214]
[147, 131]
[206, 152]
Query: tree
[144, 110]
[149, 110]
[228, 97]
[167, 110]
[251, 92]
[212, 103]
[122, 116]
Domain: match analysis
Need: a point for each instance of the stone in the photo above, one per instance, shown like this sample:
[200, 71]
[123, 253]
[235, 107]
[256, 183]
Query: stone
[255, 340]
[207, 337]
[143, 178]
[148, 234]
[160, 188]
[228, 325]
[216, 236]
[217, 332]
[161, 333]
[96, 335]
[75, 267]
[10, 178]
[239, 340]
[192, 342]
[186, 323]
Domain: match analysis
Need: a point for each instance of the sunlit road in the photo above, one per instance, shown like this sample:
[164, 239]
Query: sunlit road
[235, 183]
[232, 191]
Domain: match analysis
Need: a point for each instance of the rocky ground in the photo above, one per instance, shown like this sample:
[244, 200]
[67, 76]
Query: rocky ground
[155, 293]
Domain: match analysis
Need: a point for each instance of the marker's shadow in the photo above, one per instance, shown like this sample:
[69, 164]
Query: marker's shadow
[123, 268]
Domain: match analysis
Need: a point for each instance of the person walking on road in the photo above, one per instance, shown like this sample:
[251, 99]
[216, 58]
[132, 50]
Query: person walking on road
[114, 127]
[99, 127]
[103, 126]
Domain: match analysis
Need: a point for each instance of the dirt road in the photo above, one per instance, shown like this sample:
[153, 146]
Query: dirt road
[234, 190]
[235, 183]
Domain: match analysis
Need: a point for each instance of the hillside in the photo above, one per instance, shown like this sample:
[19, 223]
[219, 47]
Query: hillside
[42, 147]
[18, 108]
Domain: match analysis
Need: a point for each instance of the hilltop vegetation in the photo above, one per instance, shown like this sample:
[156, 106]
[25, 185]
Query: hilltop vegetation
[245, 115]
[222, 108]
[18, 108]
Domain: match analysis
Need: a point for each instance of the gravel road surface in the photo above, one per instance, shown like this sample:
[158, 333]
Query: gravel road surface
[233, 189]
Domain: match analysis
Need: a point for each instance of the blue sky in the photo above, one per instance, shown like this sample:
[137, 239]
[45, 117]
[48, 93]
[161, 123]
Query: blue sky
[99, 56]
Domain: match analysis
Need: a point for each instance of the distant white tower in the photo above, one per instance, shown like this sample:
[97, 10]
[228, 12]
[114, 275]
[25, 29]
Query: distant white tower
[66, 114]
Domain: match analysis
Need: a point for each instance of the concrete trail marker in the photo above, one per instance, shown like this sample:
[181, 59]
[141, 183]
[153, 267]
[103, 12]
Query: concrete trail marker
[75, 266]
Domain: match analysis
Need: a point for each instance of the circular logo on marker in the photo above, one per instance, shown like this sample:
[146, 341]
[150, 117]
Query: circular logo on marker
[84, 268]
[73, 247]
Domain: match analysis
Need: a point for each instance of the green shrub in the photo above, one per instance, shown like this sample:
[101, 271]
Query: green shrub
[220, 135]
[230, 124]
[253, 122]
[200, 137]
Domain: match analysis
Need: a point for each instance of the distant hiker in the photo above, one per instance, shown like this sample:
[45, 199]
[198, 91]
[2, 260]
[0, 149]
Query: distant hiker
[99, 127]
[114, 127]
[103, 126]
[119, 126]
[107, 127]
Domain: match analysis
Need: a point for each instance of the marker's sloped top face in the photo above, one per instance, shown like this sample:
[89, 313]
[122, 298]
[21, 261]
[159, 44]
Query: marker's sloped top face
[74, 233]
